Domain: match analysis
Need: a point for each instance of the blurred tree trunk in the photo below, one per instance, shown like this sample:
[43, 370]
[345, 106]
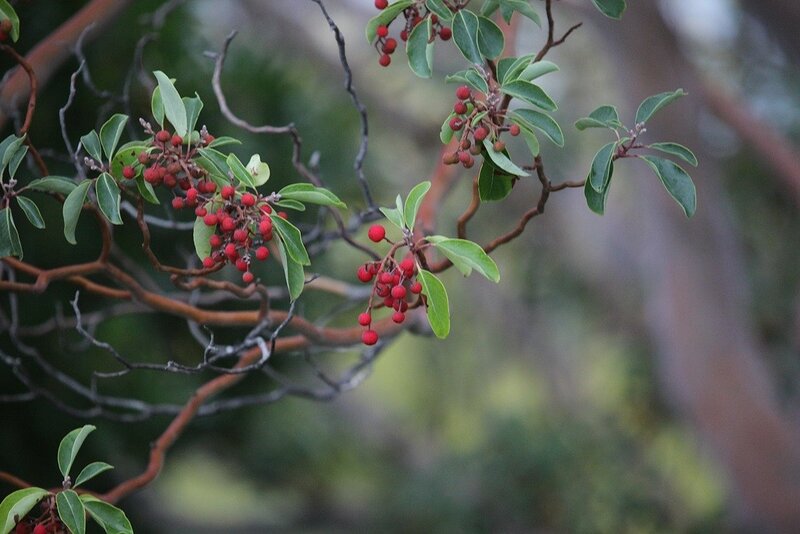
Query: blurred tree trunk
[697, 303]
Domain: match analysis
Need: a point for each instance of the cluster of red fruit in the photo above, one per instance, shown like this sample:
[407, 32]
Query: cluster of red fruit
[466, 108]
[387, 45]
[54, 526]
[393, 281]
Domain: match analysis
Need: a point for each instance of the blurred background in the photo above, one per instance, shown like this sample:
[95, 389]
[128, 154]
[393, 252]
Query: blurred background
[636, 372]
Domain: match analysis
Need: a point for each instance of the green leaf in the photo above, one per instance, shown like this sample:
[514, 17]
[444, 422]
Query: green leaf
[91, 471]
[529, 92]
[107, 192]
[493, 183]
[542, 122]
[19, 503]
[71, 511]
[419, 50]
[446, 133]
[53, 184]
[652, 104]
[259, 171]
[600, 172]
[528, 134]
[398, 202]
[71, 444]
[466, 256]
[193, 106]
[436, 303]
[676, 150]
[110, 133]
[7, 12]
[470, 77]
[8, 148]
[489, 7]
[291, 204]
[201, 233]
[173, 105]
[385, 17]
[465, 35]
[440, 9]
[501, 159]
[293, 272]
[394, 216]
[478, 118]
[9, 237]
[414, 201]
[16, 159]
[224, 140]
[490, 38]
[537, 69]
[91, 142]
[292, 239]
[215, 161]
[109, 517]
[147, 191]
[311, 195]
[157, 106]
[597, 201]
[509, 69]
[602, 117]
[676, 181]
[73, 205]
[507, 7]
[611, 8]
[31, 211]
[240, 171]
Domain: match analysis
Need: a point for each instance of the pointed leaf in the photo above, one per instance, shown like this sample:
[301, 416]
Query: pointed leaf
[69, 447]
[436, 303]
[419, 50]
[91, 142]
[240, 171]
[654, 103]
[493, 183]
[611, 8]
[146, 190]
[597, 201]
[501, 160]
[439, 8]
[312, 195]
[529, 92]
[71, 511]
[542, 122]
[466, 256]
[18, 504]
[109, 517]
[602, 117]
[201, 233]
[529, 135]
[53, 184]
[677, 182]
[224, 140]
[490, 38]
[16, 159]
[509, 69]
[676, 150]
[8, 12]
[91, 471]
[108, 197]
[524, 8]
[465, 35]
[470, 77]
[193, 106]
[293, 271]
[414, 201]
[173, 105]
[157, 106]
[537, 69]
[385, 17]
[446, 133]
[394, 217]
[110, 133]
[73, 205]
[292, 239]
[601, 167]
[9, 237]
[31, 211]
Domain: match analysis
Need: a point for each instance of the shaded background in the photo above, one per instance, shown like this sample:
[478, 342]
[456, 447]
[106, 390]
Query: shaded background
[631, 373]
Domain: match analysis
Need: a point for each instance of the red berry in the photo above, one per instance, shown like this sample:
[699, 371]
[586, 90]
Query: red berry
[177, 203]
[248, 277]
[210, 219]
[384, 60]
[381, 4]
[265, 226]
[200, 211]
[210, 187]
[416, 288]
[163, 136]
[39, 529]
[240, 235]
[128, 172]
[143, 157]
[386, 278]
[150, 174]
[176, 140]
[208, 262]
[262, 253]
[230, 250]
[215, 241]
[469, 163]
[407, 265]
[369, 337]
[514, 130]
[399, 292]
[228, 224]
[228, 191]
[390, 46]
[480, 133]
[460, 108]
[456, 124]
[170, 181]
[242, 264]
[191, 194]
[283, 215]
[266, 208]
[364, 319]
[382, 291]
[382, 31]
[398, 317]
[248, 200]
[363, 274]
[445, 34]
[463, 92]
[499, 146]
[208, 139]
[376, 233]
[404, 35]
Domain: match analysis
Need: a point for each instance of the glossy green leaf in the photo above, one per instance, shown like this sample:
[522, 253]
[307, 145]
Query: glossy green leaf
[146, 190]
[9, 237]
[224, 140]
[7, 12]
[501, 160]
[602, 117]
[18, 504]
[596, 201]
[489, 7]
[71, 444]
[419, 50]
[91, 143]
[31, 211]
[676, 181]
[201, 233]
[311, 195]
[493, 183]
[157, 106]
[71, 511]
[259, 171]
[446, 133]
[110, 133]
[652, 104]
[507, 7]
[600, 171]
[8, 148]
[53, 184]
[73, 205]
[239, 171]
[529, 92]
[676, 149]
[385, 17]
[414, 201]
[394, 216]
[542, 122]
[291, 204]
[109, 517]
[108, 197]
[528, 135]
[436, 303]
[537, 70]
[91, 471]
[471, 77]
[466, 256]
[490, 38]
[611, 8]
[193, 106]
[510, 68]
[214, 161]
[173, 105]
[16, 160]
[293, 272]
[439, 8]
[465, 35]
[292, 239]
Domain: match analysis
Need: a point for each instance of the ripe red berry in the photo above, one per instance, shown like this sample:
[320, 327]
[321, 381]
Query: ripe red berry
[363, 274]
[170, 181]
[416, 288]
[445, 34]
[386, 278]
[176, 140]
[469, 163]
[215, 241]
[266, 208]
[210, 187]
[39, 529]
[382, 31]
[369, 337]
[228, 224]
[228, 191]
[248, 200]
[398, 317]
[456, 124]
[210, 219]
[143, 157]
[191, 194]
[230, 250]
[364, 319]
[177, 203]
[384, 60]
[514, 130]
[208, 262]
[390, 45]
[399, 292]
[376, 233]
[163, 136]
[240, 235]
[464, 157]
[460, 108]
[262, 253]
[407, 265]
[265, 226]
[463, 92]
[128, 172]
[481, 132]
[150, 174]
[248, 277]
[381, 4]
[242, 264]
[200, 211]
[499, 146]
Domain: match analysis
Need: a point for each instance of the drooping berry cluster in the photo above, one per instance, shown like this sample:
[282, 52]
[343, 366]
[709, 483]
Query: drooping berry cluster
[413, 15]
[394, 284]
[477, 119]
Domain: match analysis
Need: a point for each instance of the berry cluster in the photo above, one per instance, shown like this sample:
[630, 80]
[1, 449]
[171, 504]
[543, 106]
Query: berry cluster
[47, 522]
[394, 282]
[413, 15]
[467, 109]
